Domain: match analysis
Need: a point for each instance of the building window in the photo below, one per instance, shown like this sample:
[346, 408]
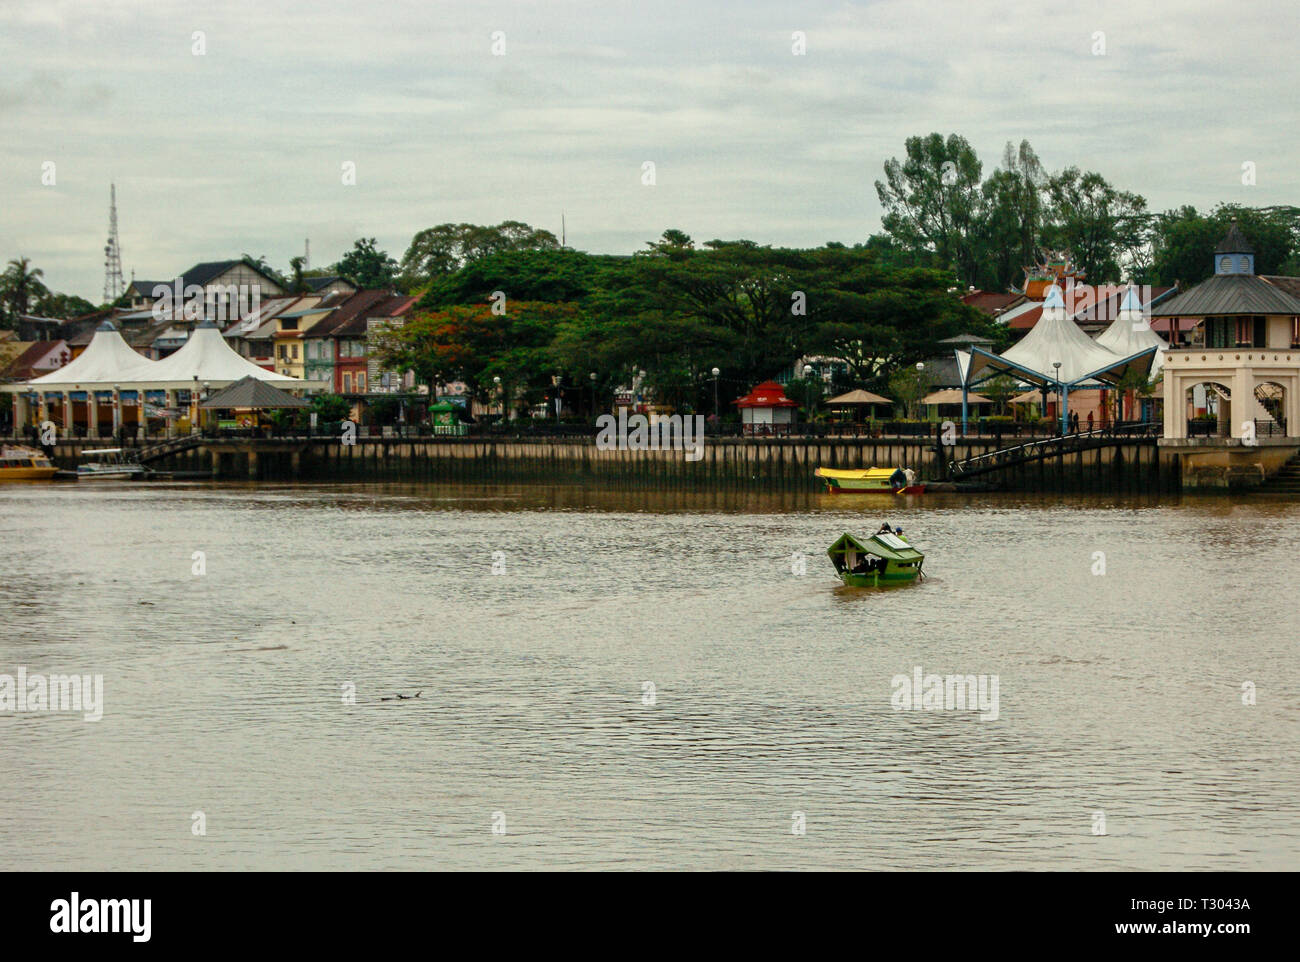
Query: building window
[361, 382]
[288, 323]
[295, 352]
[282, 354]
[347, 383]
[1295, 332]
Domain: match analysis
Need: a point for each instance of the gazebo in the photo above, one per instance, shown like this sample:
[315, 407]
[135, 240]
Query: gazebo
[251, 394]
[858, 401]
[951, 397]
[766, 410]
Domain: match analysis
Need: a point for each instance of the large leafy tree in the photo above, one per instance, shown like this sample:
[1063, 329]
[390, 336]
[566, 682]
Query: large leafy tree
[474, 344]
[439, 251]
[1104, 228]
[367, 266]
[1011, 218]
[932, 199]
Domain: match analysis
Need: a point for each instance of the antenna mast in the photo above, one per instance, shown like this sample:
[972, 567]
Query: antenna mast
[114, 286]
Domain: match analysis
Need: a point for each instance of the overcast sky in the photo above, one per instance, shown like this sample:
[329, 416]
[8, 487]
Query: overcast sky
[242, 149]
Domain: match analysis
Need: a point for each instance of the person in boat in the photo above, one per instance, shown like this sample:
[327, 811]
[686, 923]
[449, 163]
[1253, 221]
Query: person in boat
[898, 533]
[911, 476]
[886, 528]
[863, 566]
[898, 479]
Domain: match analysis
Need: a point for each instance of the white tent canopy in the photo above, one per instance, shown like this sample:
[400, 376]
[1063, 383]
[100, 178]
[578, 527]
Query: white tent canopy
[1130, 333]
[106, 361]
[1055, 338]
[208, 359]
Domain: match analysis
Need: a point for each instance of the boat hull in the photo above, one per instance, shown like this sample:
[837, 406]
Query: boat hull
[876, 579]
[873, 489]
[108, 474]
[27, 474]
[864, 481]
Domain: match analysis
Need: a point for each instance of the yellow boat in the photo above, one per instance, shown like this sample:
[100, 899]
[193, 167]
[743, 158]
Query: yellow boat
[868, 480]
[19, 463]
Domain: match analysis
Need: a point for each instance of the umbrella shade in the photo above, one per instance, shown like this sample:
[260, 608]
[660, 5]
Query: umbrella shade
[857, 397]
[250, 392]
[1029, 397]
[953, 396]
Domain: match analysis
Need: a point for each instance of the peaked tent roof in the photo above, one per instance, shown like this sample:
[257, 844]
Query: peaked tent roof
[249, 392]
[207, 357]
[1130, 332]
[107, 360]
[1054, 338]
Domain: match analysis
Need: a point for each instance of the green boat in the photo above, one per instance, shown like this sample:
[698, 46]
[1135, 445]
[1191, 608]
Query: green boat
[870, 562]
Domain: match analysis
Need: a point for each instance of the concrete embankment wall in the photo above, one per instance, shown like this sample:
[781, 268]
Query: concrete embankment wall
[779, 463]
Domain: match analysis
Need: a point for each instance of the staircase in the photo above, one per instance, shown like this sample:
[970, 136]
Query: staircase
[1286, 481]
[1049, 448]
[171, 446]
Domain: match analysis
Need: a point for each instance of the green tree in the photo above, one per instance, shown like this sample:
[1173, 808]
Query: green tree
[931, 200]
[1183, 241]
[438, 251]
[1103, 228]
[331, 407]
[20, 286]
[367, 266]
[1010, 221]
[62, 306]
[297, 283]
[909, 385]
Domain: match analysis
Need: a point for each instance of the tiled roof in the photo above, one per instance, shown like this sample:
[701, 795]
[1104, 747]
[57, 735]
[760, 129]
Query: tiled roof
[989, 302]
[23, 367]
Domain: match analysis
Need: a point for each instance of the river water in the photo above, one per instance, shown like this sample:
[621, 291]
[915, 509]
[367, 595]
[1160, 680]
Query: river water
[638, 679]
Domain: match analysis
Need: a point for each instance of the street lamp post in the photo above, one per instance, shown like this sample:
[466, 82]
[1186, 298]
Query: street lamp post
[501, 401]
[592, 378]
[1060, 393]
[717, 414]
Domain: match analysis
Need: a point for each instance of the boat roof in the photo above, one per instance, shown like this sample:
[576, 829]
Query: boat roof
[102, 451]
[887, 546]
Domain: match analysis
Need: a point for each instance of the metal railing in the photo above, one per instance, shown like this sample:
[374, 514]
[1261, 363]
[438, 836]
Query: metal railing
[1050, 447]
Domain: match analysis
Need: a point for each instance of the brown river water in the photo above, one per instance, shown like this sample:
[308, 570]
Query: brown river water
[634, 679]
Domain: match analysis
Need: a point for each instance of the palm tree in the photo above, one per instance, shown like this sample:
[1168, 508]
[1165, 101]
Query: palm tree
[21, 284]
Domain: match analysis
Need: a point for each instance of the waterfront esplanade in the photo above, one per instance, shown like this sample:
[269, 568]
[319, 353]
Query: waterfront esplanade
[109, 373]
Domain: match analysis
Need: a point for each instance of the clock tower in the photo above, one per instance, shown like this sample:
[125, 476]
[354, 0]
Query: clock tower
[1234, 255]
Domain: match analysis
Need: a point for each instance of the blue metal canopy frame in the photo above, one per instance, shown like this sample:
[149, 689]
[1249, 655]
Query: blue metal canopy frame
[996, 365]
